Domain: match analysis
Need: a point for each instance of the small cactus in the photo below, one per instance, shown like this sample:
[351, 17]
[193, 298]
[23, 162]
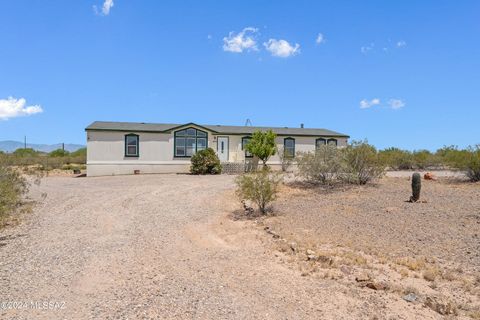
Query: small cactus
[416, 187]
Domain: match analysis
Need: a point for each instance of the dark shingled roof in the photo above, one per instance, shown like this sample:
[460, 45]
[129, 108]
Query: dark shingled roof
[220, 129]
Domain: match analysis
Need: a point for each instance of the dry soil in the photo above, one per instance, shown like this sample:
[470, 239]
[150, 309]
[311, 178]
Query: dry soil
[166, 247]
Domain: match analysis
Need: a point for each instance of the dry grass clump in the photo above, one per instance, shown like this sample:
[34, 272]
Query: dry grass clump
[383, 259]
[475, 315]
[414, 264]
[431, 273]
[404, 273]
[410, 289]
[449, 275]
[352, 258]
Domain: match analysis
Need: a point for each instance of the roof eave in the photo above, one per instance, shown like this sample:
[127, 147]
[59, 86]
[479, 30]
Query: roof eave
[189, 124]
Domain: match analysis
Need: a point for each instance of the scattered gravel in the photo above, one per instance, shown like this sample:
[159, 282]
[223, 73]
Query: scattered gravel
[161, 247]
[445, 225]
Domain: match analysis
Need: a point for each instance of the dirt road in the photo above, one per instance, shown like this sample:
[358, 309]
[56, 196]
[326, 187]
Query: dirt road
[160, 247]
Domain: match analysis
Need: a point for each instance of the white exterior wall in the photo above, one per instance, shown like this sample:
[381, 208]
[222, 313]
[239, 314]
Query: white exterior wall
[106, 152]
[302, 144]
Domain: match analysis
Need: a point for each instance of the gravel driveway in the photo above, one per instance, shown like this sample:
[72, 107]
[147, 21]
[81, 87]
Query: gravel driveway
[157, 247]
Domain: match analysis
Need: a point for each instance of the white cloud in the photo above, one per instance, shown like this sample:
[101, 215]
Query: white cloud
[320, 39]
[371, 47]
[244, 40]
[107, 5]
[12, 108]
[365, 104]
[366, 49]
[396, 104]
[281, 48]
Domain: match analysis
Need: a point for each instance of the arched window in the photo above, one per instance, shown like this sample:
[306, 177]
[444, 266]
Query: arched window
[189, 141]
[131, 145]
[289, 147]
[332, 142]
[320, 142]
[245, 140]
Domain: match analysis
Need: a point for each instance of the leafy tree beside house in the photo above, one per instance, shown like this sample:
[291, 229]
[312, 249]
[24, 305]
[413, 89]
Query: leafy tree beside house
[262, 145]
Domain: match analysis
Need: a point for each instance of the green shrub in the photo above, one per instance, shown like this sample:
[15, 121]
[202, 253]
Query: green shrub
[467, 160]
[82, 152]
[28, 152]
[444, 152]
[55, 160]
[262, 145]
[285, 159]
[361, 163]
[397, 159]
[58, 153]
[423, 159]
[205, 162]
[13, 186]
[260, 187]
[321, 166]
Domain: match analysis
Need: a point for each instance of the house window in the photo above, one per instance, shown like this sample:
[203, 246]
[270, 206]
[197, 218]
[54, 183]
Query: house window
[332, 142]
[320, 142]
[189, 141]
[246, 140]
[289, 147]
[131, 145]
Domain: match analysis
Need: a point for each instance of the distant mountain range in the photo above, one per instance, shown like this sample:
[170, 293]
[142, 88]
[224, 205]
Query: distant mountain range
[10, 146]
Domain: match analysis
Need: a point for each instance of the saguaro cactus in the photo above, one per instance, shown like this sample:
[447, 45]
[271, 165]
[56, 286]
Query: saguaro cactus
[416, 187]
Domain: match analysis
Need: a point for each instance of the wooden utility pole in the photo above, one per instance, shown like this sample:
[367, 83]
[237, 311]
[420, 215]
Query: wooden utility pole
[25, 142]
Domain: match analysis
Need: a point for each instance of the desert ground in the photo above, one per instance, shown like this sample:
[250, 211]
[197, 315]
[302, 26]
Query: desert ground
[179, 246]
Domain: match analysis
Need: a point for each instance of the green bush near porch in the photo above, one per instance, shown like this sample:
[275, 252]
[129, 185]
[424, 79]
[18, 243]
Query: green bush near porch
[205, 162]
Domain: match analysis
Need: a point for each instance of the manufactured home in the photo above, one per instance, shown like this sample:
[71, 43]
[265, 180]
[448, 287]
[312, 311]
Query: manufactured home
[115, 148]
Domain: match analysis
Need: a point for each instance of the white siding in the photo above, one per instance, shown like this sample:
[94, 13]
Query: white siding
[302, 144]
[106, 152]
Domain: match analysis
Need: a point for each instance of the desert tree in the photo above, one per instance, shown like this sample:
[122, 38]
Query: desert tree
[360, 163]
[259, 187]
[262, 145]
[321, 166]
[466, 160]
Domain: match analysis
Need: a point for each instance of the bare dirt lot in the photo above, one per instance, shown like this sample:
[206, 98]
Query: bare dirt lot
[431, 248]
[165, 246]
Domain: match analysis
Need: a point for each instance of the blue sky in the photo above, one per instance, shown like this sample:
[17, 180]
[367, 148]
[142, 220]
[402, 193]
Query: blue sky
[404, 73]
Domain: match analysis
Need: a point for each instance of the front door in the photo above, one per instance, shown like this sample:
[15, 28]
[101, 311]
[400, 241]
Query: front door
[222, 148]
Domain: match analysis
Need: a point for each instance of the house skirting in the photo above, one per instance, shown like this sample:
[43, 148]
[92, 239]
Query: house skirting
[98, 168]
[104, 169]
